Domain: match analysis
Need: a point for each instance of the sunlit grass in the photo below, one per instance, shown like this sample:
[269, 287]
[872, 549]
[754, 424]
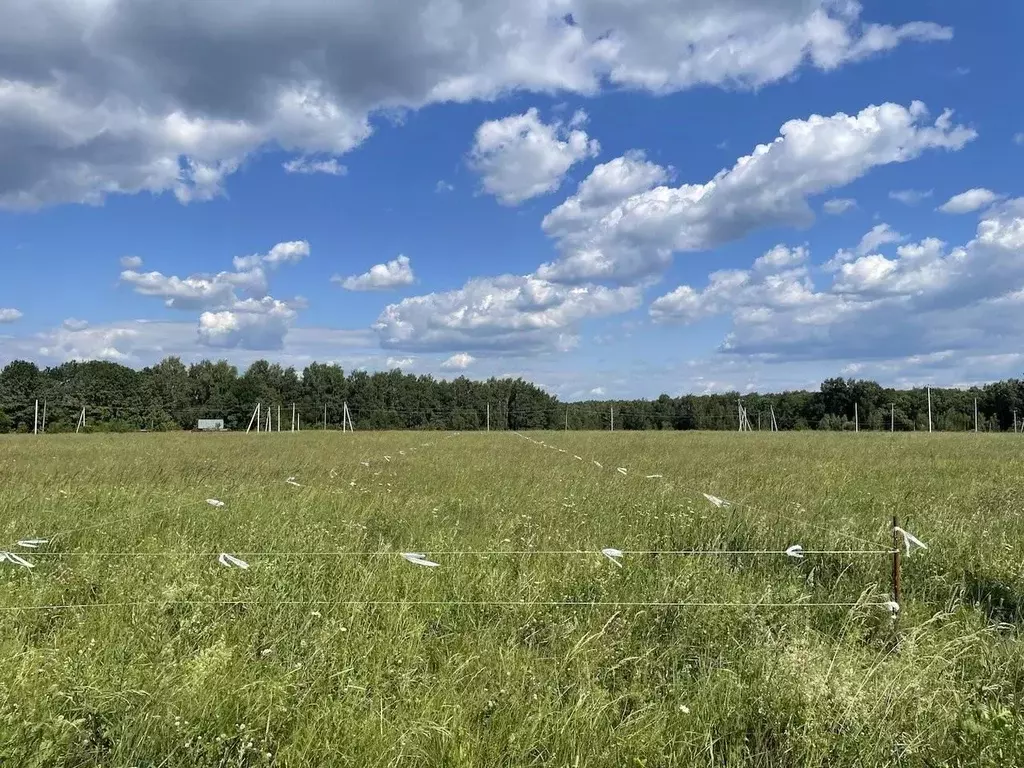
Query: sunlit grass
[329, 659]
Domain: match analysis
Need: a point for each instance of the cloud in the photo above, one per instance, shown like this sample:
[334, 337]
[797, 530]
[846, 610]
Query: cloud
[140, 343]
[458, 362]
[1018, 138]
[929, 299]
[880, 234]
[634, 236]
[380, 277]
[100, 98]
[509, 313]
[9, 315]
[910, 196]
[839, 205]
[520, 156]
[252, 324]
[969, 201]
[71, 324]
[443, 186]
[308, 165]
[131, 262]
[236, 310]
[399, 362]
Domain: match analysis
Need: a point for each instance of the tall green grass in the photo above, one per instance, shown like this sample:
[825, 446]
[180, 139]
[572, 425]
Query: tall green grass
[179, 661]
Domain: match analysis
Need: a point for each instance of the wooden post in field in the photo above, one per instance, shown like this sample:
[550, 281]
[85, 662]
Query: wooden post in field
[929, 409]
[897, 566]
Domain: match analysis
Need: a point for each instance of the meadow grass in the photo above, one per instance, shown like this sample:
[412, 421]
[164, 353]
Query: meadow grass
[172, 659]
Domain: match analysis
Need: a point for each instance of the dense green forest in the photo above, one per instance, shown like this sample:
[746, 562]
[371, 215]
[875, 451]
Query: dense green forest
[172, 395]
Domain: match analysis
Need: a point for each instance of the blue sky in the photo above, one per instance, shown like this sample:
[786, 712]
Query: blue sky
[577, 200]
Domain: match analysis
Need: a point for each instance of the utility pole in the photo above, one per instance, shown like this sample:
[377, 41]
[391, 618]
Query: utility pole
[929, 409]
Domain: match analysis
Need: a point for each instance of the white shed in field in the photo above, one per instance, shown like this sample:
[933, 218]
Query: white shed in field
[211, 425]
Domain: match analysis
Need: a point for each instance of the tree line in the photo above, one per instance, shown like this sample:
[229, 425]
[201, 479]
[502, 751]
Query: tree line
[174, 396]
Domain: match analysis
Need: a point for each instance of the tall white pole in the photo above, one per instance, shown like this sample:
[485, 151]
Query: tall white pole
[975, 414]
[611, 410]
[567, 418]
[278, 417]
[35, 424]
[293, 417]
[929, 409]
[43, 427]
[488, 417]
[892, 417]
[856, 418]
[325, 417]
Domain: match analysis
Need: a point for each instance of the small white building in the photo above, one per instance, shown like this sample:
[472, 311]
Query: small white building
[211, 425]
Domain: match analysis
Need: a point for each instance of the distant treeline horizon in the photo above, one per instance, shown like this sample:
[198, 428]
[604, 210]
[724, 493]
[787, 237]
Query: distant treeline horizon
[174, 396]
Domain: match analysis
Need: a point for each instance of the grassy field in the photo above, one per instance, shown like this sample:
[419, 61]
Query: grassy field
[311, 658]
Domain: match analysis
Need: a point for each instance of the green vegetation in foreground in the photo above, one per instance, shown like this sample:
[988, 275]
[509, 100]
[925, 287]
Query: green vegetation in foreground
[172, 683]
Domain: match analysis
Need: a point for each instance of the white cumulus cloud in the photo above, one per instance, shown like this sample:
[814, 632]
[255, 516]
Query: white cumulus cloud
[507, 313]
[131, 262]
[910, 196]
[460, 361]
[380, 277]
[9, 315]
[106, 98]
[969, 201]
[635, 236]
[839, 205]
[927, 300]
[520, 156]
[308, 165]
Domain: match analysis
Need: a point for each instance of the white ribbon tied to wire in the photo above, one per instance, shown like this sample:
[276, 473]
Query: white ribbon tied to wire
[16, 559]
[418, 558]
[717, 501]
[32, 543]
[215, 502]
[613, 554]
[910, 540]
[230, 561]
[795, 551]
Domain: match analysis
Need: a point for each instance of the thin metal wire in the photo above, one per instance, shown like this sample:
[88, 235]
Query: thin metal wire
[476, 603]
[463, 553]
[730, 503]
